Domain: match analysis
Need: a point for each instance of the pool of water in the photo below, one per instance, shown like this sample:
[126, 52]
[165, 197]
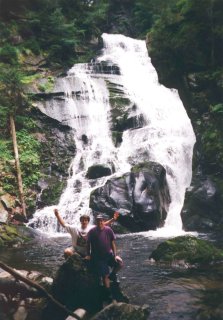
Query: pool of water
[171, 293]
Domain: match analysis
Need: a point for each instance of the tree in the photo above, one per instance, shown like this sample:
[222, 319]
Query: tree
[12, 97]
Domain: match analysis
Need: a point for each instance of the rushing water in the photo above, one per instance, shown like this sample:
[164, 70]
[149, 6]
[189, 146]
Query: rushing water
[165, 135]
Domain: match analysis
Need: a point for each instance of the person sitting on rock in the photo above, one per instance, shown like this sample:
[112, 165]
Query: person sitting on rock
[102, 253]
[79, 234]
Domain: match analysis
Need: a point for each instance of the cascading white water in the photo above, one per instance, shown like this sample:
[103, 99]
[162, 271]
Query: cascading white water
[166, 137]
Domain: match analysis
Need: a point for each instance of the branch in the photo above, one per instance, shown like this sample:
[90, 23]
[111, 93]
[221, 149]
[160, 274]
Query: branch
[33, 284]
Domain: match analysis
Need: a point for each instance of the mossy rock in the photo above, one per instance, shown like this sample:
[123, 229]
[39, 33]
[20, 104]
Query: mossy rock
[1, 242]
[12, 235]
[191, 250]
[11, 230]
[52, 193]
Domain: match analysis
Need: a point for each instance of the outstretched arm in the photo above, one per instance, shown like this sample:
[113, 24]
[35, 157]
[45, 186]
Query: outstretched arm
[115, 217]
[59, 218]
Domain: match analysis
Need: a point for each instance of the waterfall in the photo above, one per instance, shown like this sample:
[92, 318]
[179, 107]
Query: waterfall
[165, 135]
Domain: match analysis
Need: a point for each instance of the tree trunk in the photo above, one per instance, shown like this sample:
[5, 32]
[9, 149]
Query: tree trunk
[17, 164]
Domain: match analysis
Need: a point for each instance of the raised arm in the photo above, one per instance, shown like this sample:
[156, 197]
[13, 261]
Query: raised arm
[59, 218]
[115, 217]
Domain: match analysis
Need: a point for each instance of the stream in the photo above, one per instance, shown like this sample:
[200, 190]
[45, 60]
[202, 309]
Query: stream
[169, 292]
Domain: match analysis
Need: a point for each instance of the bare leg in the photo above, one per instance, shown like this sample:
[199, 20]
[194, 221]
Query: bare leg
[106, 281]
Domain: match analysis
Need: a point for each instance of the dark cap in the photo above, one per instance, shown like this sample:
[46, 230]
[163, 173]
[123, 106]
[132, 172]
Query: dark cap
[99, 216]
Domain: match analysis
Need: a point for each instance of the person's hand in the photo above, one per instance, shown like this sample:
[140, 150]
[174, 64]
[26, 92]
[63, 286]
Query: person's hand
[87, 258]
[56, 212]
[119, 260]
[116, 215]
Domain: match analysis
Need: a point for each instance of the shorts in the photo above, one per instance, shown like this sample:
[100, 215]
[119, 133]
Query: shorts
[101, 265]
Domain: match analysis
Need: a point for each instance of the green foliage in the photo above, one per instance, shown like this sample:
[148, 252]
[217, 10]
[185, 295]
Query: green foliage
[8, 54]
[48, 85]
[218, 109]
[6, 150]
[186, 37]
[29, 149]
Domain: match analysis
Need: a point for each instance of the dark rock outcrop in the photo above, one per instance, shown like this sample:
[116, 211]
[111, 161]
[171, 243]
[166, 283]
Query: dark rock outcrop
[141, 196]
[76, 286]
[98, 171]
[57, 151]
[202, 209]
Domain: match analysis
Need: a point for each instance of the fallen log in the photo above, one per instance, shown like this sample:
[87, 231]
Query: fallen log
[33, 284]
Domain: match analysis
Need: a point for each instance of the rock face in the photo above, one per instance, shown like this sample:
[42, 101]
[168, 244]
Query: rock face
[57, 151]
[141, 196]
[202, 210]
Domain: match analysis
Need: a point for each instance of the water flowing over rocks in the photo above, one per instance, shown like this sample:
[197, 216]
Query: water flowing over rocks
[141, 196]
[120, 116]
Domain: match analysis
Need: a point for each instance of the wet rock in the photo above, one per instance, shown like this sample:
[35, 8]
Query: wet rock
[141, 196]
[122, 311]
[188, 251]
[202, 206]
[57, 151]
[3, 213]
[13, 235]
[75, 286]
[98, 171]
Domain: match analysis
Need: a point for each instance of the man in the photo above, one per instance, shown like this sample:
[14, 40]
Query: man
[102, 252]
[79, 234]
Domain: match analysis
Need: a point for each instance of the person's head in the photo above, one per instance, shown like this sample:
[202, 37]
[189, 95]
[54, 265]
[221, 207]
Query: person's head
[100, 222]
[84, 220]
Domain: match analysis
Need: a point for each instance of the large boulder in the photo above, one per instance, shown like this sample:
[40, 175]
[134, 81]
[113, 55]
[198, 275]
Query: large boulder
[141, 196]
[187, 251]
[77, 287]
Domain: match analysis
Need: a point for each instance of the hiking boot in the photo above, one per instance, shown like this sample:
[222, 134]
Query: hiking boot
[113, 277]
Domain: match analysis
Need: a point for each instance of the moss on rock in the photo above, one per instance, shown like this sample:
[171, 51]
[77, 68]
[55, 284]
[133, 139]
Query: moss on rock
[11, 235]
[189, 249]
